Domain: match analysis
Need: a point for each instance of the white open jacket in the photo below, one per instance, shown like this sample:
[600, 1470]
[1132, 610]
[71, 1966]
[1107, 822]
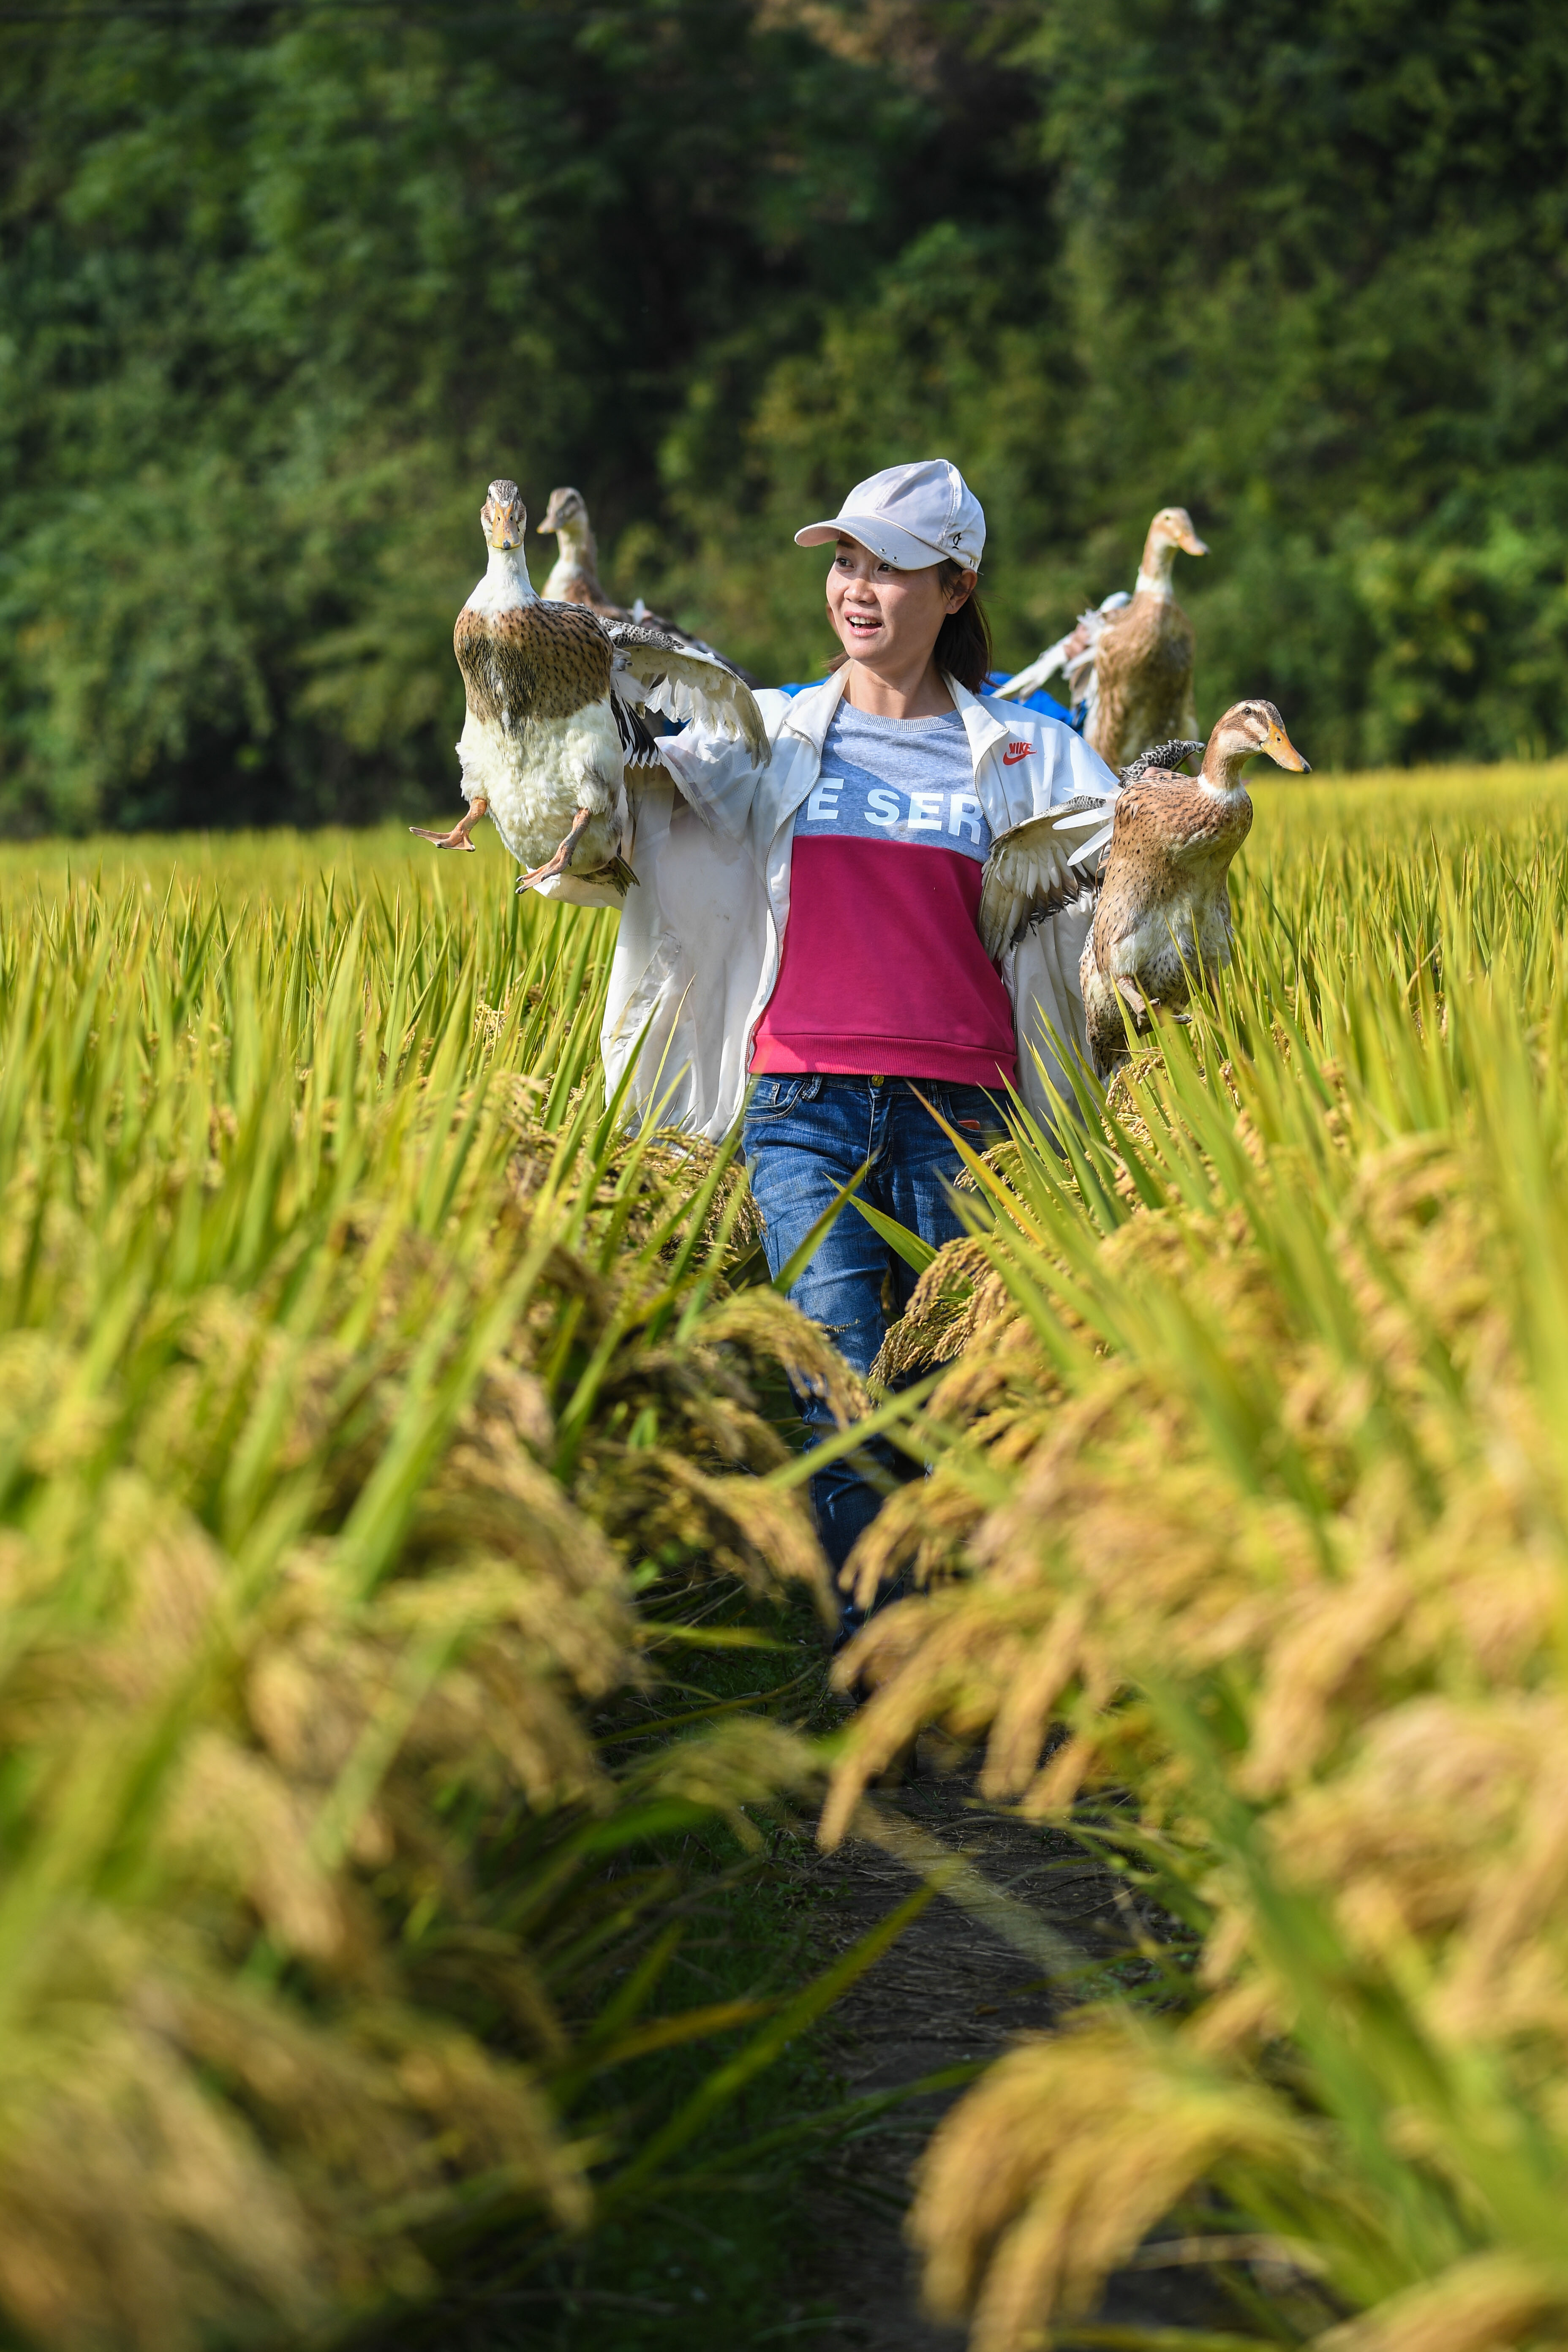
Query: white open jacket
[703, 932]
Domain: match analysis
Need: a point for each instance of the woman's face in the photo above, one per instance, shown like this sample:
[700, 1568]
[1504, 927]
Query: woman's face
[885, 616]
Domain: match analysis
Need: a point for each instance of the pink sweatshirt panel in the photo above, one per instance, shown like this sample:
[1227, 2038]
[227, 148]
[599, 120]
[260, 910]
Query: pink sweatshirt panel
[883, 971]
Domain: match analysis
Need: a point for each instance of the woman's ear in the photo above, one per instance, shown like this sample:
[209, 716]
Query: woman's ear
[962, 590]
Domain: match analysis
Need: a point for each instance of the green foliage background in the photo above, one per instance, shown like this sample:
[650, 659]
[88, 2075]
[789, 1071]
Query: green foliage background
[282, 287]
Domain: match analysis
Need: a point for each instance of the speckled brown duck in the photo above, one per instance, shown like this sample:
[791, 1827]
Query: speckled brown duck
[1130, 659]
[556, 695]
[1162, 918]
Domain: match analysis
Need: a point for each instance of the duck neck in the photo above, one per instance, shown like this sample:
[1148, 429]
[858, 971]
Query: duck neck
[1155, 572]
[1221, 772]
[576, 561]
[506, 585]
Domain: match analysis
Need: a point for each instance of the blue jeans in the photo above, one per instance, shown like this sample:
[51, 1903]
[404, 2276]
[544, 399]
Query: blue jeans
[804, 1137]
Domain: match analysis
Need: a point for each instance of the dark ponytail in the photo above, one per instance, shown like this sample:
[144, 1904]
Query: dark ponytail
[964, 641]
[962, 649]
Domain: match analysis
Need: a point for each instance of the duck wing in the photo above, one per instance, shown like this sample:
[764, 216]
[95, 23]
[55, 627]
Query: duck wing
[639, 746]
[1045, 665]
[1154, 789]
[1037, 868]
[667, 673]
[1166, 757]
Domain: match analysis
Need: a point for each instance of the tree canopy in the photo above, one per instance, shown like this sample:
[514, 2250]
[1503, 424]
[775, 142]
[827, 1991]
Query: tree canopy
[282, 287]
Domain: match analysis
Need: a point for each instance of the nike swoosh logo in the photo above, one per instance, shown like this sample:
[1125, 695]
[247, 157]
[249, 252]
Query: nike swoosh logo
[1011, 759]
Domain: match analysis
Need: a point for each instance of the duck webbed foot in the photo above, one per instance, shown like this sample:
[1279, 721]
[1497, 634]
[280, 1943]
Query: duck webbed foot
[1137, 1003]
[616, 872]
[563, 858]
[1147, 1010]
[459, 837]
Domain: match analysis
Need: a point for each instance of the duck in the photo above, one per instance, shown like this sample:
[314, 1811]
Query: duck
[574, 575]
[1149, 862]
[1129, 660]
[556, 698]
[1162, 916]
[575, 579]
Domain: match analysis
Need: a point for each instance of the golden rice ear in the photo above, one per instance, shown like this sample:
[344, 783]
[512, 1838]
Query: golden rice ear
[922, 1664]
[1488, 2299]
[1266, 1463]
[1048, 2175]
[919, 1533]
[735, 1765]
[760, 1534]
[133, 2191]
[233, 1820]
[312, 1580]
[772, 1330]
[951, 1303]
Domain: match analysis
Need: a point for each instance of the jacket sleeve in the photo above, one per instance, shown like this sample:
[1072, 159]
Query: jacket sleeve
[717, 774]
[687, 971]
[1041, 972]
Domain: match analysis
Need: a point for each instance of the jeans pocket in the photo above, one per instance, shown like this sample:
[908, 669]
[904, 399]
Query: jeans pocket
[971, 1113]
[773, 1097]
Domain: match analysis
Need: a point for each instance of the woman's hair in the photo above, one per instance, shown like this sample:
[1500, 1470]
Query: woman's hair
[962, 649]
[964, 640]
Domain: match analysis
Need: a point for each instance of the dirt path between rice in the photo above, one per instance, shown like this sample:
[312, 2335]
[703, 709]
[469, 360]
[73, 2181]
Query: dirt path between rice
[968, 1975]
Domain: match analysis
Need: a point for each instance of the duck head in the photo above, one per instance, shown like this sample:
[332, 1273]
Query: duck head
[1247, 729]
[1171, 530]
[503, 517]
[567, 514]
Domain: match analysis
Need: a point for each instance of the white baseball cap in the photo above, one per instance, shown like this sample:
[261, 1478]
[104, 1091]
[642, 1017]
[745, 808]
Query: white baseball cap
[909, 516]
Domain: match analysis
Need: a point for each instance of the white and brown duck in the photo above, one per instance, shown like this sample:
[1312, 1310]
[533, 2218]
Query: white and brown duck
[556, 696]
[1129, 661]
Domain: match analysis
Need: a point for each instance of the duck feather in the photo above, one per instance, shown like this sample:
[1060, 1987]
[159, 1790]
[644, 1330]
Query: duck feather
[670, 673]
[1032, 872]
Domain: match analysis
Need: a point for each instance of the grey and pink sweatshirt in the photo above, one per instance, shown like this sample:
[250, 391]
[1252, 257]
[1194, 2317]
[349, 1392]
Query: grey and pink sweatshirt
[882, 969]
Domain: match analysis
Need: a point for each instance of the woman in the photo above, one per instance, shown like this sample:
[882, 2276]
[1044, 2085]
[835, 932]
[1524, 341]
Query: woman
[807, 928]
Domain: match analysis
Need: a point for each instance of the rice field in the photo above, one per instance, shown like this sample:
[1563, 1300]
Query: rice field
[1246, 1549]
[373, 1416]
[378, 1419]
